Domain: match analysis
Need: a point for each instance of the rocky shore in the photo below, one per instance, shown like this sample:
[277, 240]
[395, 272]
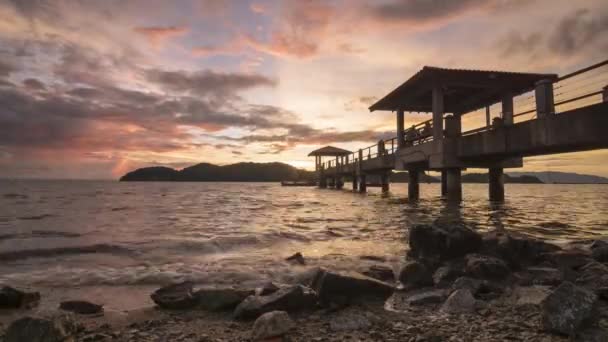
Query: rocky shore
[457, 285]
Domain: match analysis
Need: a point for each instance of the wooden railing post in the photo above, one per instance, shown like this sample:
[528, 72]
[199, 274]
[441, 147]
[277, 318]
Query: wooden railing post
[605, 94]
[545, 102]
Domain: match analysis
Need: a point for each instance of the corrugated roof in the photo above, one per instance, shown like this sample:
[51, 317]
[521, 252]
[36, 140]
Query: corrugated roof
[465, 90]
[329, 151]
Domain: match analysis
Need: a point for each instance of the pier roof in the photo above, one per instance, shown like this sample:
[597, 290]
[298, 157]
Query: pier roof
[329, 151]
[464, 90]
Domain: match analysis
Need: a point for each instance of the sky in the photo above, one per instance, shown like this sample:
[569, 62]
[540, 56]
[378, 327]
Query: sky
[92, 89]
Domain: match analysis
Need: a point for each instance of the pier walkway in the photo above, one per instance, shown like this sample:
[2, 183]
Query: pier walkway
[535, 114]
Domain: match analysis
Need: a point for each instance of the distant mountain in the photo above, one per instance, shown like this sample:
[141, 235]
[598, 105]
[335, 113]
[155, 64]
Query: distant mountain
[205, 172]
[483, 178]
[563, 177]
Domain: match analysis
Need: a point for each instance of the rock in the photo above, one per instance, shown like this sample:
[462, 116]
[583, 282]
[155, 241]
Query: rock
[602, 293]
[592, 335]
[307, 277]
[541, 276]
[297, 258]
[349, 285]
[570, 258]
[217, 299]
[515, 249]
[445, 275]
[291, 298]
[473, 285]
[176, 296]
[266, 289]
[600, 254]
[481, 289]
[380, 272]
[598, 244]
[486, 267]
[565, 309]
[442, 241]
[271, 324]
[11, 298]
[529, 295]
[427, 297]
[39, 330]
[415, 274]
[349, 321]
[81, 307]
[373, 258]
[593, 275]
[460, 301]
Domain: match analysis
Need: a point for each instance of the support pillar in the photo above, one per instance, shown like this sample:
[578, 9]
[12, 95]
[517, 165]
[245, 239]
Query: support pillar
[322, 178]
[545, 103]
[355, 182]
[384, 179]
[496, 185]
[444, 183]
[454, 185]
[605, 94]
[488, 119]
[339, 183]
[438, 110]
[400, 128]
[507, 109]
[413, 185]
[362, 183]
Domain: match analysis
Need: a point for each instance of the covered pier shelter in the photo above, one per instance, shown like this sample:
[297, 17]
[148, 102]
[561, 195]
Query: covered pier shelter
[331, 153]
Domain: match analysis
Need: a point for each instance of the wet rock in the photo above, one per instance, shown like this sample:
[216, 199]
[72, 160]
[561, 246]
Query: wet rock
[445, 275]
[271, 324]
[175, 297]
[349, 285]
[602, 293]
[39, 330]
[486, 267]
[473, 285]
[427, 297]
[297, 258]
[442, 241]
[307, 277]
[11, 298]
[459, 302]
[373, 258]
[600, 254]
[349, 321]
[598, 244]
[267, 288]
[481, 289]
[592, 335]
[541, 276]
[217, 299]
[515, 249]
[593, 275]
[380, 272]
[291, 298]
[415, 274]
[569, 258]
[529, 295]
[566, 308]
[81, 307]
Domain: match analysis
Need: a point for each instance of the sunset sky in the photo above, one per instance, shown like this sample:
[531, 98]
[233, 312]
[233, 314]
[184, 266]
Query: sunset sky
[93, 89]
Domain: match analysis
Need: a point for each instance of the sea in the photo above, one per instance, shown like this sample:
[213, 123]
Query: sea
[114, 242]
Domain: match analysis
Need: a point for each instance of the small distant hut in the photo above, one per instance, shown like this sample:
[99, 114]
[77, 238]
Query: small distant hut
[327, 151]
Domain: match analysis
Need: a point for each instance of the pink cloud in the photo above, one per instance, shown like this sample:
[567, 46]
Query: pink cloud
[158, 35]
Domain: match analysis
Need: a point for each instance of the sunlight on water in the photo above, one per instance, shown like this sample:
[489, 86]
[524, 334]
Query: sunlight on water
[65, 234]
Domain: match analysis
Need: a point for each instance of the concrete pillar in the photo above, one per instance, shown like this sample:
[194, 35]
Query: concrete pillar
[454, 185]
[507, 109]
[453, 126]
[488, 119]
[605, 94]
[354, 182]
[400, 128]
[444, 183]
[322, 178]
[545, 103]
[497, 184]
[438, 110]
[384, 179]
[339, 183]
[413, 185]
[381, 148]
[362, 183]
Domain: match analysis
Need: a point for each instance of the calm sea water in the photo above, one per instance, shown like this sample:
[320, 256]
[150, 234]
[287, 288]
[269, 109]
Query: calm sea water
[66, 236]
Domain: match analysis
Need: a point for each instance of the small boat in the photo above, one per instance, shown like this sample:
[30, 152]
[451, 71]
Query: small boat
[298, 183]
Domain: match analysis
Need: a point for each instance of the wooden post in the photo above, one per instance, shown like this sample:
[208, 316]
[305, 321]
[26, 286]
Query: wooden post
[354, 182]
[605, 94]
[496, 185]
[384, 178]
[362, 183]
[488, 121]
[454, 185]
[438, 110]
[444, 183]
[545, 103]
[413, 184]
[507, 110]
[400, 128]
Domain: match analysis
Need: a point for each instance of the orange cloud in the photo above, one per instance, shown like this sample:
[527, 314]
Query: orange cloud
[257, 8]
[158, 35]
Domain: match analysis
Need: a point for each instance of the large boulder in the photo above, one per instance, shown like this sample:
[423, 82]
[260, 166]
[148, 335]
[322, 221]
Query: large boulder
[290, 298]
[415, 274]
[480, 289]
[566, 308]
[445, 275]
[348, 286]
[32, 329]
[81, 307]
[460, 302]
[11, 298]
[227, 298]
[380, 272]
[271, 324]
[175, 296]
[515, 249]
[593, 275]
[600, 254]
[442, 241]
[486, 267]
[541, 276]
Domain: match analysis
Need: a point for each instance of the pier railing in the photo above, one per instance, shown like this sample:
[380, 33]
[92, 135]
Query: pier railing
[577, 89]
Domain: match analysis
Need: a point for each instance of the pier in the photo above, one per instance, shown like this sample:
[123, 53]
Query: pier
[539, 114]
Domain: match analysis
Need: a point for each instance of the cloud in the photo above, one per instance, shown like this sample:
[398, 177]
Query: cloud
[158, 35]
[34, 84]
[423, 11]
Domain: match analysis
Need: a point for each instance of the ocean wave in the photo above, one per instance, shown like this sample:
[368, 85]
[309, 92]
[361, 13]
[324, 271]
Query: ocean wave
[62, 251]
[35, 217]
[39, 234]
[15, 195]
